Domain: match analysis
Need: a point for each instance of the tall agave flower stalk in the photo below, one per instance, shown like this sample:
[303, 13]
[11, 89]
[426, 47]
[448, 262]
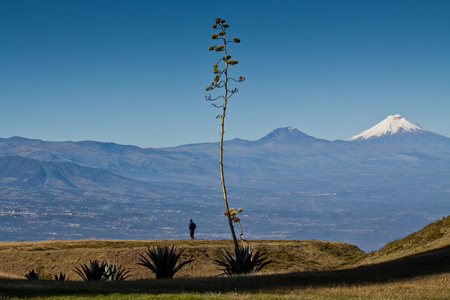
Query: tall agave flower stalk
[221, 81]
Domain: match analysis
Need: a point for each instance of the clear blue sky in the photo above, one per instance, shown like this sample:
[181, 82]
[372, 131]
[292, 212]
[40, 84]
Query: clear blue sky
[135, 72]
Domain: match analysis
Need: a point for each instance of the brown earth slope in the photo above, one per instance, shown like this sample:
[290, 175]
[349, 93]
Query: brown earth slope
[53, 257]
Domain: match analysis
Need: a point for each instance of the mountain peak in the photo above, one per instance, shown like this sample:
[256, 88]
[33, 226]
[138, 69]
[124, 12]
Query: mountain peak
[393, 124]
[286, 135]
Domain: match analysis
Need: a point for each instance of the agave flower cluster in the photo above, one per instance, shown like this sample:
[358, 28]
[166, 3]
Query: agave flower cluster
[233, 214]
[218, 82]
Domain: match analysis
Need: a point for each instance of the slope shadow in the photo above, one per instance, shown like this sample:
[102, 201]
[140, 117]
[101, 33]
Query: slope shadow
[426, 263]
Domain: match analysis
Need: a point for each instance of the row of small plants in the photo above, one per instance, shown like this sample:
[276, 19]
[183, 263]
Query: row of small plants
[163, 261]
[92, 271]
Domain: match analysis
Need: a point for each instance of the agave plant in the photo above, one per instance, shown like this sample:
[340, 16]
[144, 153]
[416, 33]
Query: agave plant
[95, 271]
[115, 273]
[61, 277]
[162, 261]
[242, 260]
[32, 275]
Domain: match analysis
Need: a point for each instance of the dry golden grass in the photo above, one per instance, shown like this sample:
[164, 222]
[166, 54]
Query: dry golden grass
[433, 236]
[420, 276]
[53, 257]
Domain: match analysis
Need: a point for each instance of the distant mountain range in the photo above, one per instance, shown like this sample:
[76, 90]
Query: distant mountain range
[395, 157]
[285, 153]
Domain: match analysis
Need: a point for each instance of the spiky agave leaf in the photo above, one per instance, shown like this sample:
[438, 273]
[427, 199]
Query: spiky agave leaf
[95, 271]
[121, 274]
[228, 262]
[83, 271]
[242, 260]
[260, 260]
[116, 273]
[32, 275]
[162, 261]
[61, 277]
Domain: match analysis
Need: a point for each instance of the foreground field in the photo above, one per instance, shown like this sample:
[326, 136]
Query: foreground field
[421, 276]
[415, 267]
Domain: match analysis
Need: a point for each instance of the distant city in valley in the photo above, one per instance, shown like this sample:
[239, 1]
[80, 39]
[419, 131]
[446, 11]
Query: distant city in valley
[382, 184]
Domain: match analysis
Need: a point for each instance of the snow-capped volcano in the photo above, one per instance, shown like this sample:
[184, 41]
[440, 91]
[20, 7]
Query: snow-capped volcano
[394, 124]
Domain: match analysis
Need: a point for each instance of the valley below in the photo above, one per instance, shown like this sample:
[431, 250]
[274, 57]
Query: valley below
[365, 218]
[365, 192]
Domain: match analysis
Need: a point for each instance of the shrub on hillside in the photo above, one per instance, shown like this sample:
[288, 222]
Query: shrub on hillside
[32, 275]
[115, 273]
[61, 277]
[101, 271]
[242, 260]
[162, 261]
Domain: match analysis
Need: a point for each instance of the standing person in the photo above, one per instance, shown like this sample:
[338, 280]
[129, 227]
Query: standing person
[192, 227]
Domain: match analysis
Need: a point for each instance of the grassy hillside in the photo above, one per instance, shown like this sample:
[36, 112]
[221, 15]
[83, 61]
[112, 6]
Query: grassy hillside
[52, 257]
[433, 236]
[422, 276]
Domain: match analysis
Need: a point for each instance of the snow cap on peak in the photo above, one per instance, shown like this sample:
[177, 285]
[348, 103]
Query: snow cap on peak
[391, 125]
[284, 130]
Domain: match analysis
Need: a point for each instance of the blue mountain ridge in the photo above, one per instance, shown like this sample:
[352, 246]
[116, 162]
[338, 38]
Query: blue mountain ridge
[291, 185]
